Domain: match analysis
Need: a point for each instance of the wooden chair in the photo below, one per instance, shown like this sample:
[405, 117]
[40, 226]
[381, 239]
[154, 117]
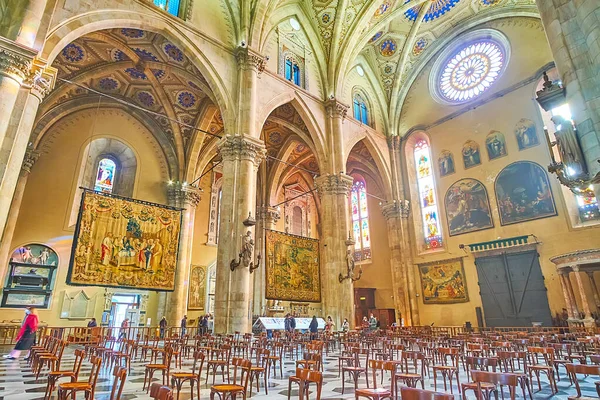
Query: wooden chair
[378, 393]
[232, 390]
[276, 357]
[261, 367]
[482, 364]
[160, 392]
[165, 368]
[51, 359]
[357, 369]
[179, 378]
[124, 354]
[54, 376]
[36, 352]
[70, 388]
[219, 358]
[495, 379]
[304, 377]
[574, 369]
[43, 347]
[120, 374]
[547, 366]
[346, 357]
[447, 371]
[409, 393]
[409, 378]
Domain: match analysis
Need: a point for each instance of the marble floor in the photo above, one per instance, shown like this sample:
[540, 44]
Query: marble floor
[18, 383]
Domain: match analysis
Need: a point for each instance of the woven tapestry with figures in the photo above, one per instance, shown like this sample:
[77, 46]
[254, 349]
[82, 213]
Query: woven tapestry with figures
[124, 243]
[292, 267]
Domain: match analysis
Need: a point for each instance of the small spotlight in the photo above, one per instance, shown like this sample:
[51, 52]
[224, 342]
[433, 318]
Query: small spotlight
[170, 182]
[184, 184]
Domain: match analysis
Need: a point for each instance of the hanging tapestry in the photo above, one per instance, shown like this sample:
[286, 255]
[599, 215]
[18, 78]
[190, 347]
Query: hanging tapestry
[197, 287]
[443, 282]
[124, 243]
[292, 267]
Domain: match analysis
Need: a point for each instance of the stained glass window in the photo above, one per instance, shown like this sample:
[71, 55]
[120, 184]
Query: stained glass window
[361, 112]
[292, 71]
[427, 198]
[171, 6]
[360, 221]
[105, 175]
[471, 71]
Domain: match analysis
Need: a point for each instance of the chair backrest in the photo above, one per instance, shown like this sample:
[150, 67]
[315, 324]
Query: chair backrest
[574, 369]
[241, 366]
[481, 363]
[262, 357]
[547, 354]
[199, 356]
[120, 374]
[79, 356]
[495, 378]
[159, 392]
[96, 365]
[420, 394]
[382, 365]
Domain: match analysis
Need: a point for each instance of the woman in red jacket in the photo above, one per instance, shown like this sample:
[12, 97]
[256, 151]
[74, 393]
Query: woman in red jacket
[26, 336]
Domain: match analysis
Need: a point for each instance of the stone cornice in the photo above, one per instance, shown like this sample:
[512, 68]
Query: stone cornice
[396, 209]
[15, 60]
[250, 59]
[336, 109]
[334, 184]
[238, 147]
[183, 195]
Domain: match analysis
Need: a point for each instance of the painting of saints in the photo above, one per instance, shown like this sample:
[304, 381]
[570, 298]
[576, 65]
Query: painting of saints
[148, 253]
[467, 207]
[431, 222]
[526, 134]
[471, 156]
[428, 196]
[443, 282]
[388, 48]
[446, 163]
[156, 255]
[495, 144]
[106, 248]
[523, 193]
[423, 167]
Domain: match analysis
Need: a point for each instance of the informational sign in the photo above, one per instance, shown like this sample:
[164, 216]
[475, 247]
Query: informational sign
[269, 323]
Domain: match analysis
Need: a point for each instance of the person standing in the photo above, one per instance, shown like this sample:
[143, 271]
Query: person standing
[26, 336]
[92, 323]
[329, 324]
[345, 325]
[184, 325]
[373, 323]
[124, 328]
[204, 324]
[162, 324]
[313, 327]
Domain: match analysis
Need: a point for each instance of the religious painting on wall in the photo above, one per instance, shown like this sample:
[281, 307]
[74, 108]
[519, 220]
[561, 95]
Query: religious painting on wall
[446, 163]
[467, 207]
[496, 145]
[471, 154]
[443, 282]
[197, 288]
[124, 243]
[35, 254]
[523, 193]
[292, 267]
[526, 134]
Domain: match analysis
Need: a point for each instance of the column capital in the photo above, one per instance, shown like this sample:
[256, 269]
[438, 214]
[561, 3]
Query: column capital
[269, 214]
[249, 59]
[336, 109]
[181, 194]
[575, 268]
[396, 209]
[334, 184]
[239, 147]
[31, 156]
[15, 60]
[41, 78]
[394, 142]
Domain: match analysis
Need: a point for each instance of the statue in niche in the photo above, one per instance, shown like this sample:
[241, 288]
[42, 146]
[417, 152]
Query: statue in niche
[568, 146]
[247, 248]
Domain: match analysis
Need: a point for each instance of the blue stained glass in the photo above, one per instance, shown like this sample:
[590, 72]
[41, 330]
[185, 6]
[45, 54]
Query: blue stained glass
[173, 7]
[105, 175]
[288, 69]
[161, 3]
[364, 115]
[296, 75]
[356, 110]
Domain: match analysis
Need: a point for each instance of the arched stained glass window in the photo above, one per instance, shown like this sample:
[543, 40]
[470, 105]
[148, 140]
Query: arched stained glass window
[361, 112]
[105, 175]
[292, 71]
[360, 220]
[427, 197]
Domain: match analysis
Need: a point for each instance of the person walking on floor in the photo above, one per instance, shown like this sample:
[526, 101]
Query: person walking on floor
[313, 327]
[162, 324]
[26, 336]
[124, 328]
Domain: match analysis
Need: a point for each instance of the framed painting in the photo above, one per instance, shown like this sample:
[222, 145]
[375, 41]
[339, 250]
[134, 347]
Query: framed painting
[495, 145]
[197, 288]
[523, 193]
[446, 163]
[467, 207]
[526, 134]
[471, 154]
[292, 268]
[23, 298]
[34, 254]
[443, 282]
[124, 243]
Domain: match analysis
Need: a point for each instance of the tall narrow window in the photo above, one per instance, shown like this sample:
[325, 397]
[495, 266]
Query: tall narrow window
[288, 69]
[171, 6]
[361, 112]
[360, 221]
[296, 75]
[429, 209]
[105, 175]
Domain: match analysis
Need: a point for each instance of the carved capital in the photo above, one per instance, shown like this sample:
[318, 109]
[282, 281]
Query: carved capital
[270, 215]
[238, 147]
[394, 142]
[396, 209]
[15, 60]
[31, 156]
[334, 184]
[250, 60]
[575, 268]
[40, 79]
[183, 195]
[335, 109]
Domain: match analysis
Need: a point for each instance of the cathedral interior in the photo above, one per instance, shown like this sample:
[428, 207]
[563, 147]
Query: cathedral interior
[432, 165]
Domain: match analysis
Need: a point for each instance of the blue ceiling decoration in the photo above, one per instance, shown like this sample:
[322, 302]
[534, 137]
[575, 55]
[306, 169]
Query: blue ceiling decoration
[436, 10]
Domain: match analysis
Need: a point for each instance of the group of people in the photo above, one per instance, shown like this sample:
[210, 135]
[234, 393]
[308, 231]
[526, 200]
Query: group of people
[369, 324]
[290, 324]
[145, 254]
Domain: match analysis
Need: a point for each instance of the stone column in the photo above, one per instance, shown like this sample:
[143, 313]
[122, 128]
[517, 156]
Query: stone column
[337, 298]
[569, 285]
[241, 157]
[587, 320]
[267, 219]
[187, 197]
[568, 300]
[594, 288]
[336, 112]
[573, 28]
